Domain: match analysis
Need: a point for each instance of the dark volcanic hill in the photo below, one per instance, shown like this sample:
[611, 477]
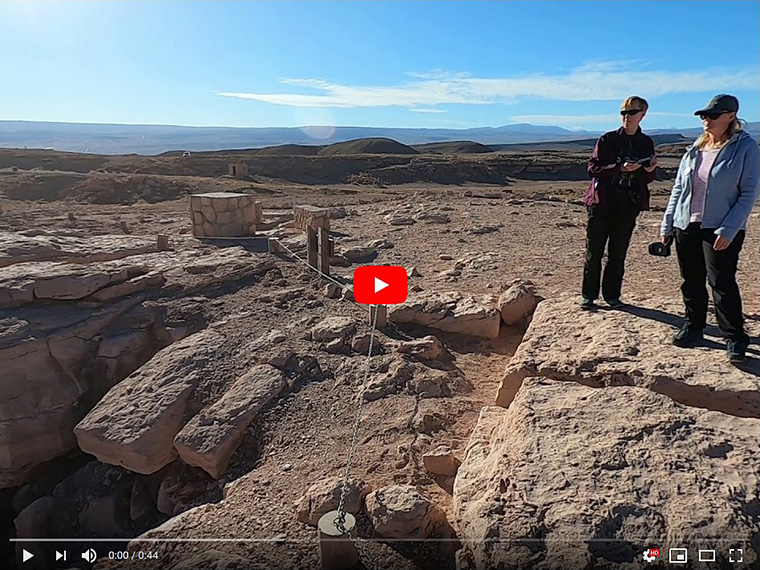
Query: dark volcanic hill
[453, 147]
[290, 150]
[367, 146]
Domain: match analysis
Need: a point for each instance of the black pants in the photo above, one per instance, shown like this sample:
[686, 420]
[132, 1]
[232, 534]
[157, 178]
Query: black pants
[613, 224]
[697, 260]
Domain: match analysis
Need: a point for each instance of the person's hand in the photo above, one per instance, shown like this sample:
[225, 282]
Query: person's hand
[652, 165]
[664, 239]
[721, 243]
[629, 166]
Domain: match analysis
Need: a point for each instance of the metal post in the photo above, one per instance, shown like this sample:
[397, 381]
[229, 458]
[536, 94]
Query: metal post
[336, 551]
[324, 251]
[311, 246]
[382, 315]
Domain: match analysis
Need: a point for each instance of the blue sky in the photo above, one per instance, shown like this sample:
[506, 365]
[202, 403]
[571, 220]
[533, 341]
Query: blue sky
[392, 64]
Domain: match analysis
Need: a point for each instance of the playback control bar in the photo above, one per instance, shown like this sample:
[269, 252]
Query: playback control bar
[78, 555]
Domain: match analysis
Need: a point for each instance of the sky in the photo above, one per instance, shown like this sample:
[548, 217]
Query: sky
[429, 64]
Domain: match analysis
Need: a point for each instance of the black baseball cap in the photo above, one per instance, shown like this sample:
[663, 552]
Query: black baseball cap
[721, 104]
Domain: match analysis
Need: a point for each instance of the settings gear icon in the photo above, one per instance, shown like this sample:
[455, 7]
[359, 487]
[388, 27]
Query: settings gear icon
[651, 554]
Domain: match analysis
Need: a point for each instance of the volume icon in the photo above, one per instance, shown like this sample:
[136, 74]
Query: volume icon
[90, 555]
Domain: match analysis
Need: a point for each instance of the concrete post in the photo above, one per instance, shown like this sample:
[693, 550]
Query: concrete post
[336, 551]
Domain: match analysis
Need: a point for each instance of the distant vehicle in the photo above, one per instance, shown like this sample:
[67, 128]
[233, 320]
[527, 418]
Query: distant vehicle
[185, 154]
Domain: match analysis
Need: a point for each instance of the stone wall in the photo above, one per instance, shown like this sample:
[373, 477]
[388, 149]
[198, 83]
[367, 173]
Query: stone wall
[224, 214]
[237, 169]
[306, 216]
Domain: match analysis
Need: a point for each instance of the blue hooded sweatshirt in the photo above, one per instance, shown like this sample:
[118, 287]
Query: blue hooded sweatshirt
[732, 188]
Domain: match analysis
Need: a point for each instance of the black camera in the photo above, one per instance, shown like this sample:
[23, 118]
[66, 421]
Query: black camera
[642, 161]
[661, 249]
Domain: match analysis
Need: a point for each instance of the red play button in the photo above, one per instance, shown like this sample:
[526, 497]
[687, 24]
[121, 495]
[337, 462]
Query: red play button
[380, 285]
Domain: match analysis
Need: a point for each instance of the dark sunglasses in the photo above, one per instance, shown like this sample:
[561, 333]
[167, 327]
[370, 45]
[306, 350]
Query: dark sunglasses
[712, 116]
[630, 112]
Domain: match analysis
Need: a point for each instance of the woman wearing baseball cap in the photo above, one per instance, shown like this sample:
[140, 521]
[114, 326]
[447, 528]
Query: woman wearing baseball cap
[713, 195]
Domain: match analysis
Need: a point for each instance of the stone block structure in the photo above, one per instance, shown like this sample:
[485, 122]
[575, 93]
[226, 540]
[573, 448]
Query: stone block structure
[237, 169]
[310, 216]
[224, 214]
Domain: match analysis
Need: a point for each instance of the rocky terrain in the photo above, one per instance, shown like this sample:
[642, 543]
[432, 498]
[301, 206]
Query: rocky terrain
[172, 393]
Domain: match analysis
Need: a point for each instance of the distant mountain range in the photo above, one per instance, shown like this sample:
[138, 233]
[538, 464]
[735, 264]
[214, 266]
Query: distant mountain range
[156, 139]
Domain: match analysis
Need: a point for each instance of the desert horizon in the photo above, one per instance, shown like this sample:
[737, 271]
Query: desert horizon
[427, 286]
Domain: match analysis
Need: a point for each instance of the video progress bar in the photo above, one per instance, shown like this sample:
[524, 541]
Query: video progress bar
[386, 540]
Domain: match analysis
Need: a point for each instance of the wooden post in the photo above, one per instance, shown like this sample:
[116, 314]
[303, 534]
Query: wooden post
[382, 315]
[336, 551]
[311, 246]
[162, 242]
[324, 251]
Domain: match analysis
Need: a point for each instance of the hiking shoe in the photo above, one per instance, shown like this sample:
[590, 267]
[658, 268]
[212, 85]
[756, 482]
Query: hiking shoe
[616, 304]
[587, 304]
[735, 350]
[688, 336]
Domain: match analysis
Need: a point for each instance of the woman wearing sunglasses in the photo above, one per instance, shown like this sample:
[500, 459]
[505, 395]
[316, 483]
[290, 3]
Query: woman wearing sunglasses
[621, 167]
[713, 195]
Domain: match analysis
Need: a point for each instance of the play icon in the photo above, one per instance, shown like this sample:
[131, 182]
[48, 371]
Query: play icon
[26, 555]
[380, 284]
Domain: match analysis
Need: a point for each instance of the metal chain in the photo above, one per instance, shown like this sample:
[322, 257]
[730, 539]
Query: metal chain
[340, 521]
[325, 275]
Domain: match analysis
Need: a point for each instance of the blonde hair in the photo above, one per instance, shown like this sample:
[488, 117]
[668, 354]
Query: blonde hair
[734, 127]
[635, 99]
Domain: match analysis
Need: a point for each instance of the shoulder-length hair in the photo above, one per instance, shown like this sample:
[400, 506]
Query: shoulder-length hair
[734, 127]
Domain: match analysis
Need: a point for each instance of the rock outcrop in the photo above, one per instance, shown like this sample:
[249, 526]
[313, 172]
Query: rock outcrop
[44, 381]
[517, 302]
[400, 511]
[135, 424]
[209, 439]
[324, 496]
[633, 348]
[610, 435]
[451, 312]
[78, 315]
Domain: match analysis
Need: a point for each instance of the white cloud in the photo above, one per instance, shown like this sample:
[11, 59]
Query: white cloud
[583, 119]
[590, 82]
[428, 110]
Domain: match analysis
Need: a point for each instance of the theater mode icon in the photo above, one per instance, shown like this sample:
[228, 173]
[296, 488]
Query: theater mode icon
[706, 555]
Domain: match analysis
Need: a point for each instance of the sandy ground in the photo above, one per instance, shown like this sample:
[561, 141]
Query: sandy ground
[305, 436]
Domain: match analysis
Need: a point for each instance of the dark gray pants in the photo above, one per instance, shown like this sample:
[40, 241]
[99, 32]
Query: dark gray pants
[699, 262]
[610, 227]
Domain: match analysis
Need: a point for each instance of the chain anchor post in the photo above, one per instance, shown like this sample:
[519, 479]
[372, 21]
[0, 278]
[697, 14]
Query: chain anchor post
[336, 549]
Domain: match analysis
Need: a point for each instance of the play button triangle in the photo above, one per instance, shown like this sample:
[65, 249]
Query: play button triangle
[380, 285]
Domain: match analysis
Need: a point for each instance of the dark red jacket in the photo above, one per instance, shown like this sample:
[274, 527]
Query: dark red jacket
[610, 151]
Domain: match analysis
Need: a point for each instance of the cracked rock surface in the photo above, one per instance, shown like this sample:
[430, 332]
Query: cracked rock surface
[610, 441]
